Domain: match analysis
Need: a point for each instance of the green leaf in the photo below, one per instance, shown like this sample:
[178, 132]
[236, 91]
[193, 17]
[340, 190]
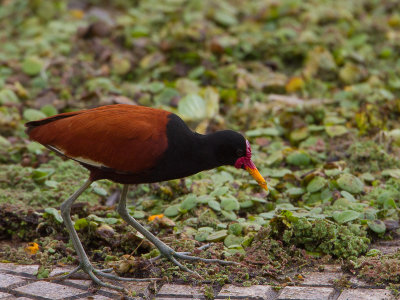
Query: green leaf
[333, 172]
[214, 205]
[230, 215]
[32, 65]
[204, 199]
[316, 184]
[395, 173]
[8, 96]
[98, 219]
[229, 203]
[217, 236]
[35, 148]
[211, 98]
[286, 206]
[203, 233]
[389, 203]
[100, 84]
[31, 114]
[348, 196]
[350, 183]
[373, 252]
[235, 228]
[257, 199]
[111, 221]
[196, 72]
[246, 204]
[192, 108]
[299, 134]
[41, 174]
[219, 191]
[189, 203]
[377, 226]
[221, 177]
[336, 130]
[276, 173]
[155, 87]
[99, 191]
[43, 272]
[49, 110]
[298, 158]
[81, 223]
[138, 214]
[271, 131]
[295, 192]
[275, 158]
[367, 177]
[172, 210]
[4, 143]
[268, 215]
[54, 212]
[232, 239]
[225, 18]
[345, 216]
[186, 86]
[120, 65]
[166, 96]
[51, 183]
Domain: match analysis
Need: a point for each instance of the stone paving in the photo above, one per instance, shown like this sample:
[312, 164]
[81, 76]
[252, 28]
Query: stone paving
[19, 282]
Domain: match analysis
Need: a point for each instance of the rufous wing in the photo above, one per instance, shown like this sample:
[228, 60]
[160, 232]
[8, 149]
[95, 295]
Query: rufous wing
[125, 138]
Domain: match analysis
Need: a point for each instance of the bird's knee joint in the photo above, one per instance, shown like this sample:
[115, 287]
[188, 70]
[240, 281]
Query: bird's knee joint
[65, 211]
[122, 212]
[166, 251]
[86, 266]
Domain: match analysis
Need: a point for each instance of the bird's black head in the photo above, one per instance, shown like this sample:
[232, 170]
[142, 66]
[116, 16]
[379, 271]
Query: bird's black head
[229, 146]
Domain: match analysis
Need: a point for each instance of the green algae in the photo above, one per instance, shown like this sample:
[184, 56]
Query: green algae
[368, 156]
[18, 187]
[321, 236]
[380, 269]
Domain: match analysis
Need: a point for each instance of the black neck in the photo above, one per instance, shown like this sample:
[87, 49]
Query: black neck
[188, 152]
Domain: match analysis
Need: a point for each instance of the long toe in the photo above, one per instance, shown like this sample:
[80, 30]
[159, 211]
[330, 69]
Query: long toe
[184, 267]
[115, 277]
[93, 273]
[63, 275]
[105, 284]
[183, 255]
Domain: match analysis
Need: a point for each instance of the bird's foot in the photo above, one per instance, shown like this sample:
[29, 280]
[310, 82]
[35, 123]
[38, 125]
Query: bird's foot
[93, 273]
[173, 256]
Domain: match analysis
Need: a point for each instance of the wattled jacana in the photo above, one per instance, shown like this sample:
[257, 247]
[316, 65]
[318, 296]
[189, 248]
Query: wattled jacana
[134, 144]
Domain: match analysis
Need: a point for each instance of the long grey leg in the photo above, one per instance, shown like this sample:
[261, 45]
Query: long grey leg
[123, 212]
[84, 263]
[164, 249]
[65, 213]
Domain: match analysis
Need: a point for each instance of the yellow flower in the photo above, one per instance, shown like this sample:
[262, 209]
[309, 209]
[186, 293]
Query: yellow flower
[294, 84]
[77, 13]
[32, 248]
[153, 217]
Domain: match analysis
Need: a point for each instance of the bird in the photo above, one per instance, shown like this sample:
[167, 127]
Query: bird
[132, 144]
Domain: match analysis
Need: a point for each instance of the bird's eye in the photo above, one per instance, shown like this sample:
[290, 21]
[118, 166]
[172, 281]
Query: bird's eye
[240, 152]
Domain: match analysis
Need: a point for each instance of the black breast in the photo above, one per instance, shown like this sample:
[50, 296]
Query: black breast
[187, 153]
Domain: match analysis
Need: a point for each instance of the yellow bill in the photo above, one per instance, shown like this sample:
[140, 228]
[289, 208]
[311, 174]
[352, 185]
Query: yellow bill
[258, 177]
[246, 163]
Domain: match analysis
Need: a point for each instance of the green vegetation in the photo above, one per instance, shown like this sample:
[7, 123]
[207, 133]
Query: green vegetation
[314, 85]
